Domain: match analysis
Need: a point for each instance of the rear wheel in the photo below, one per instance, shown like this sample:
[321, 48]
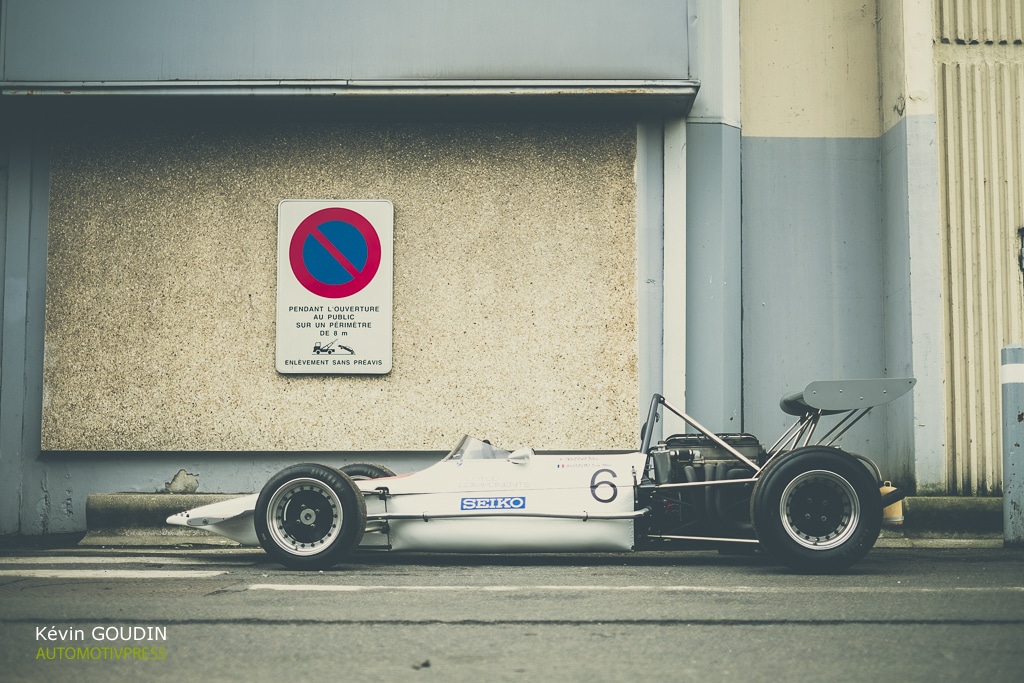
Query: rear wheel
[816, 509]
[309, 516]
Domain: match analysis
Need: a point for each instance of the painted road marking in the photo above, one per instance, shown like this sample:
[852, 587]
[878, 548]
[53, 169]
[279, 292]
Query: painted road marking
[67, 559]
[108, 573]
[349, 588]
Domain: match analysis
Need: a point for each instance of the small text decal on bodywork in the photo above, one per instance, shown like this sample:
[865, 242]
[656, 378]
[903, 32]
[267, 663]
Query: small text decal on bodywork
[495, 503]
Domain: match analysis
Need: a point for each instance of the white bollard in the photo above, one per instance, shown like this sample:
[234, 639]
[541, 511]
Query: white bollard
[1012, 378]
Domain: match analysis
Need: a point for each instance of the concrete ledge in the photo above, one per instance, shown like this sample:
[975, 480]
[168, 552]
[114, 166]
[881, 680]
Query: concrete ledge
[946, 515]
[140, 519]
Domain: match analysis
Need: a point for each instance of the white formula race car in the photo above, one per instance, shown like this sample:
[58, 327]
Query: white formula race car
[812, 507]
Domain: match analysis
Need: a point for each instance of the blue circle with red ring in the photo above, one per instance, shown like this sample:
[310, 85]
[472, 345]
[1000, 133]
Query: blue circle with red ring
[335, 252]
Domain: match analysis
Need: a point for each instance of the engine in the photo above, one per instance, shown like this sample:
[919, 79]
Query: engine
[687, 498]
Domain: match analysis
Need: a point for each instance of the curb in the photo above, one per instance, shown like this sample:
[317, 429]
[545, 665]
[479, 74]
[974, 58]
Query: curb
[953, 515]
[139, 519]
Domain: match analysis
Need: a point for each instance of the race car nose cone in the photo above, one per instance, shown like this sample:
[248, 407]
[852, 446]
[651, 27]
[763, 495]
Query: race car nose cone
[180, 519]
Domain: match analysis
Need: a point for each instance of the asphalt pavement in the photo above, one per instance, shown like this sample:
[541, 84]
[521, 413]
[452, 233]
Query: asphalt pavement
[177, 613]
[938, 599]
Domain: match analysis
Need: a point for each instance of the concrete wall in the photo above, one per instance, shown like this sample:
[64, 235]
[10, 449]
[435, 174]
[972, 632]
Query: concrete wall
[515, 288]
[912, 241]
[812, 275]
[539, 293]
[813, 298]
[809, 69]
[140, 233]
[840, 217]
[714, 380]
[23, 200]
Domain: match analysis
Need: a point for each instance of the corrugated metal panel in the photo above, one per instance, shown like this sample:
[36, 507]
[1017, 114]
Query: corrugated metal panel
[981, 140]
[979, 21]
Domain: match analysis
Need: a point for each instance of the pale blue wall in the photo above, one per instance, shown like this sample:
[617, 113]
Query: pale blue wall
[914, 333]
[714, 379]
[23, 281]
[813, 297]
[842, 278]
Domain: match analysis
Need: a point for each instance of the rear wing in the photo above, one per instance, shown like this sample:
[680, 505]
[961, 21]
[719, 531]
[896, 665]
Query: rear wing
[855, 397]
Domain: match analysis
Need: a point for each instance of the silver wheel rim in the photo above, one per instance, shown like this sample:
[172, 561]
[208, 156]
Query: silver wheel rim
[304, 516]
[820, 510]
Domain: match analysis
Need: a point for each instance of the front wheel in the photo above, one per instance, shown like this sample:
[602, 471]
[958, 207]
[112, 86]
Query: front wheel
[366, 470]
[816, 509]
[309, 516]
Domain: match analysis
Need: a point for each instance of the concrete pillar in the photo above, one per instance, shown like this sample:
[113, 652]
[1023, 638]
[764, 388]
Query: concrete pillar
[714, 352]
[1012, 378]
[24, 498]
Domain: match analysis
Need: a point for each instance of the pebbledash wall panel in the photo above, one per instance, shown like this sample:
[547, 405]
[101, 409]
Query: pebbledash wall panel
[514, 293]
[385, 40]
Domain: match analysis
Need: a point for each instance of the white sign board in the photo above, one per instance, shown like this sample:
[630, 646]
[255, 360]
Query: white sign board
[335, 277]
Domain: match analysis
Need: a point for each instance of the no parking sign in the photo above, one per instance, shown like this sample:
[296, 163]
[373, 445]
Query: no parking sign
[334, 286]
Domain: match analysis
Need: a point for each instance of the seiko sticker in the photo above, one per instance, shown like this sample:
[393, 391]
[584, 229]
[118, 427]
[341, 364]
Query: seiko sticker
[495, 503]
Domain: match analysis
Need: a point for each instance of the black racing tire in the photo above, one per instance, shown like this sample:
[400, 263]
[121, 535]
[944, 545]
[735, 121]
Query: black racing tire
[816, 510]
[309, 516]
[366, 470]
